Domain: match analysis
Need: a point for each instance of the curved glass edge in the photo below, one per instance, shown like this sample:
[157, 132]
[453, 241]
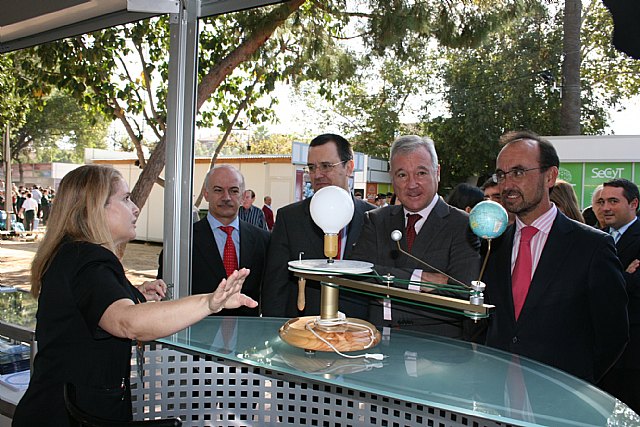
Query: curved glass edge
[453, 375]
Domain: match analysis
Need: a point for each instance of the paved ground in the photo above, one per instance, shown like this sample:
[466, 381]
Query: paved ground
[140, 261]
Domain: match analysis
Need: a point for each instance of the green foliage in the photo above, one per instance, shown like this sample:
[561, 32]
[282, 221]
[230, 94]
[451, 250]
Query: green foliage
[69, 129]
[257, 142]
[59, 132]
[506, 83]
[513, 81]
[608, 75]
[400, 64]
[20, 93]
[377, 99]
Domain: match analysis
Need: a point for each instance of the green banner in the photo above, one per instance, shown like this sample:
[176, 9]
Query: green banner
[572, 173]
[585, 177]
[597, 173]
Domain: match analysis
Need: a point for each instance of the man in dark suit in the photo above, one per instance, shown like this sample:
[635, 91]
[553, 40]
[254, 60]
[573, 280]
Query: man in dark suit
[557, 284]
[443, 239]
[330, 162]
[619, 203]
[224, 187]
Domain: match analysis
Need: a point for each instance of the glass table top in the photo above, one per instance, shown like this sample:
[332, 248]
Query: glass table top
[17, 308]
[444, 373]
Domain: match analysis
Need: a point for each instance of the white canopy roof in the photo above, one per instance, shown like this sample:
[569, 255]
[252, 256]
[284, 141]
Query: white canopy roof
[27, 23]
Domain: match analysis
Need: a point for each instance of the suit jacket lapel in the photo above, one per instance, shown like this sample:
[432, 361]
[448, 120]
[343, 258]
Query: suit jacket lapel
[395, 221]
[355, 226]
[206, 244]
[431, 228]
[629, 237]
[502, 255]
[315, 238]
[247, 245]
[554, 252]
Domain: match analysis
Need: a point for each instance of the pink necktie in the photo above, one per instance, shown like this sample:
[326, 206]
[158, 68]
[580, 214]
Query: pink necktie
[521, 276]
[229, 257]
[411, 229]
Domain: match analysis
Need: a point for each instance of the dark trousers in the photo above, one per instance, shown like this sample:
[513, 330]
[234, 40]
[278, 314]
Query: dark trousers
[29, 216]
[623, 380]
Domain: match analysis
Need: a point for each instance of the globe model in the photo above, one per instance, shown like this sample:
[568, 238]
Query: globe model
[488, 219]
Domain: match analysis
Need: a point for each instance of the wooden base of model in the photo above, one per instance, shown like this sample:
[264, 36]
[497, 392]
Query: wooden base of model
[354, 335]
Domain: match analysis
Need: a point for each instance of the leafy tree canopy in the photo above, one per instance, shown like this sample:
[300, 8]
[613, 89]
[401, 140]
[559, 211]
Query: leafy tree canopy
[62, 130]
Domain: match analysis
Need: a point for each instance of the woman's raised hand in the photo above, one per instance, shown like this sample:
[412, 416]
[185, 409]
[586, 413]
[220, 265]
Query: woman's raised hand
[228, 294]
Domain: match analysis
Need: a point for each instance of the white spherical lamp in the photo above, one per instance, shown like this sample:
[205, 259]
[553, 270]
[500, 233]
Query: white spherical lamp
[331, 209]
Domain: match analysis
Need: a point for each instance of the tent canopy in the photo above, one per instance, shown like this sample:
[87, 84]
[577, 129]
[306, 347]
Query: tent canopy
[30, 22]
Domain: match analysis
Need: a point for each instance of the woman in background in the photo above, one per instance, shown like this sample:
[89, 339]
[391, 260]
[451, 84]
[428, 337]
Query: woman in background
[564, 197]
[88, 312]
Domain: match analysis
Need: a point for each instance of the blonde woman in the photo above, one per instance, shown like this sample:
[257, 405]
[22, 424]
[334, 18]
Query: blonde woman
[564, 197]
[88, 312]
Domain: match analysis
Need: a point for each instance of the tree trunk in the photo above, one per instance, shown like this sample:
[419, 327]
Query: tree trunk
[571, 102]
[210, 82]
[258, 37]
[149, 175]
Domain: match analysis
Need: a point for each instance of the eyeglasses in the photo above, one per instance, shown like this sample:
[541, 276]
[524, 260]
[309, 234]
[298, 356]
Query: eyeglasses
[518, 173]
[323, 167]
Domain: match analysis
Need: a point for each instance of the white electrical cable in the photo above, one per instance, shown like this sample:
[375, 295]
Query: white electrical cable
[341, 320]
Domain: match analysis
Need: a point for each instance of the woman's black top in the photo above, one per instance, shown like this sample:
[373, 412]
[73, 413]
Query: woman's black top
[81, 282]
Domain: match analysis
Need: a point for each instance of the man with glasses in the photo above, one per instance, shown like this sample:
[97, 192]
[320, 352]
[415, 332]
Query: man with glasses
[330, 162]
[432, 231]
[492, 192]
[557, 284]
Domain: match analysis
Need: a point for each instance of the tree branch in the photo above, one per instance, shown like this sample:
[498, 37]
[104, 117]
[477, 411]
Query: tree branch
[147, 119]
[217, 74]
[118, 111]
[227, 132]
[147, 86]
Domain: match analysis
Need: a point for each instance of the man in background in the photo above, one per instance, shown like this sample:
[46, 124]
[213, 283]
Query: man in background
[382, 200]
[556, 284]
[593, 215]
[329, 162]
[250, 213]
[491, 192]
[29, 210]
[618, 201]
[222, 242]
[268, 213]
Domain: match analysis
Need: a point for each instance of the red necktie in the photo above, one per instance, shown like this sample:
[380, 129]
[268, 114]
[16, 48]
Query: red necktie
[229, 257]
[339, 244]
[411, 229]
[521, 276]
